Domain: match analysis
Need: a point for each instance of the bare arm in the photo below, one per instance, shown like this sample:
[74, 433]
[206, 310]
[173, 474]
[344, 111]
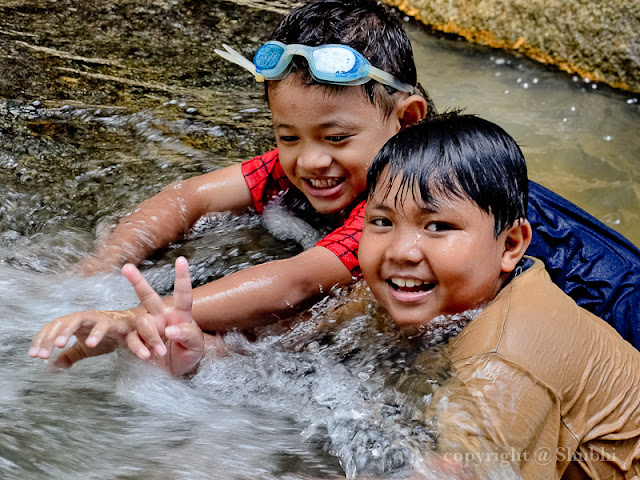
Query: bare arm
[249, 298]
[167, 216]
[259, 295]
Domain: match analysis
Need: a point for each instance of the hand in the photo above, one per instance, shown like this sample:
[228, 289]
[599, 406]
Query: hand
[184, 345]
[99, 331]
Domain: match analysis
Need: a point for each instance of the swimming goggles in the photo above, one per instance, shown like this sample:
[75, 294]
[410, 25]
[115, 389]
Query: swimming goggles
[337, 64]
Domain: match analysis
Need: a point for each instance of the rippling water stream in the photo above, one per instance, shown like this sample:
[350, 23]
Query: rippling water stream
[104, 103]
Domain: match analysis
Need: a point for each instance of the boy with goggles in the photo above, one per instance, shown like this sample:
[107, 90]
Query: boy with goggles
[332, 112]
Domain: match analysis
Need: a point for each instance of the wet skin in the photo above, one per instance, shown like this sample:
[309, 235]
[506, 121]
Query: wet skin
[421, 262]
[326, 140]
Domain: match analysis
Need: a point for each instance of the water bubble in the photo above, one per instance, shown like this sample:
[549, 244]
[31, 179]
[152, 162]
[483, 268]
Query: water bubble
[535, 80]
[506, 92]
[564, 119]
[573, 109]
[525, 86]
[594, 86]
[587, 80]
[575, 78]
[519, 80]
[608, 138]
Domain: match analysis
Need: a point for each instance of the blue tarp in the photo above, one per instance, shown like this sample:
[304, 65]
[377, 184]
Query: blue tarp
[596, 266]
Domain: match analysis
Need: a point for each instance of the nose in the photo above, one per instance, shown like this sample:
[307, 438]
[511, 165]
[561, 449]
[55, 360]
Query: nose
[405, 247]
[313, 159]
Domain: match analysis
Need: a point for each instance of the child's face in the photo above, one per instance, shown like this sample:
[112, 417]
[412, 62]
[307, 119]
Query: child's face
[326, 140]
[421, 262]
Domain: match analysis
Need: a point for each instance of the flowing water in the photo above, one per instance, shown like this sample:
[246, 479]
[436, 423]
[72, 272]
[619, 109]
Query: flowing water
[104, 103]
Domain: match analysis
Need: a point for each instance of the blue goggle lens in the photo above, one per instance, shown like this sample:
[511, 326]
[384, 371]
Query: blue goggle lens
[268, 56]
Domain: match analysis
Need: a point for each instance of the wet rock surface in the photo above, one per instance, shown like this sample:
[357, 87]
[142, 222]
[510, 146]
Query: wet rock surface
[598, 40]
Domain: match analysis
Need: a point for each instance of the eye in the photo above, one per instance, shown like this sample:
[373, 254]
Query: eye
[337, 138]
[288, 138]
[439, 227]
[381, 222]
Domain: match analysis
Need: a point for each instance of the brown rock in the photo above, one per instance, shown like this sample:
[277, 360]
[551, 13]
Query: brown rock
[598, 40]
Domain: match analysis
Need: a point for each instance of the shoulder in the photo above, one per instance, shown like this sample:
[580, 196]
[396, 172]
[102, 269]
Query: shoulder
[261, 165]
[535, 326]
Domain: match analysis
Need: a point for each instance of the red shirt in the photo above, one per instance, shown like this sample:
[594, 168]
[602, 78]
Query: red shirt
[266, 180]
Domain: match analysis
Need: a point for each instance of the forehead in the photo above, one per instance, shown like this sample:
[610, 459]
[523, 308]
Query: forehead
[292, 101]
[403, 192]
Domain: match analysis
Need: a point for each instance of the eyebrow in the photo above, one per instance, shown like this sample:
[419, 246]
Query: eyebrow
[327, 125]
[387, 208]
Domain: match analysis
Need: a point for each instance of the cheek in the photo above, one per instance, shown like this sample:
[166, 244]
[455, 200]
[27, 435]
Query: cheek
[367, 258]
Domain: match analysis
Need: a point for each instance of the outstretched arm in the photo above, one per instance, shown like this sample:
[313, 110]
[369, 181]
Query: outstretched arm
[167, 216]
[262, 294]
[252, 297]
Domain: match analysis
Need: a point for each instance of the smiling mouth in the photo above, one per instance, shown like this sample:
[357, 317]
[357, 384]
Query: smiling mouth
[324, 183]
[409, 285]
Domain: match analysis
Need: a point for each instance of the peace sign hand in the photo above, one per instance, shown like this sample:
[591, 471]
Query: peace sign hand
[183, 344]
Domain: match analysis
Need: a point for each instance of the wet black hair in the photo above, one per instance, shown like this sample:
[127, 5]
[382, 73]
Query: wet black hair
[369, 27]
[454, 155]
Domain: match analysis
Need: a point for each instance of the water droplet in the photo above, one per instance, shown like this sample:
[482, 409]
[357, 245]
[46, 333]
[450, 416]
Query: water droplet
[499, 61]
[519, 80]
[564, 119]
[594, 86]
[573, 109]
[535, 80]
[575, 79]
[608, 138]
[506, 92]
[525, 86]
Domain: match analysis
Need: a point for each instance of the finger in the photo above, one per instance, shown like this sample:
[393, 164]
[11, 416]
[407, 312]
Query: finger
[182, 291]
[147, 295]
[136, 345]
[58, 333]
[68, 357]
[146, 328]
[187, 335]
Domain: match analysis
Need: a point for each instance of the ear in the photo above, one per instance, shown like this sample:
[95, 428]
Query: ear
[411, 110]
[516, 240]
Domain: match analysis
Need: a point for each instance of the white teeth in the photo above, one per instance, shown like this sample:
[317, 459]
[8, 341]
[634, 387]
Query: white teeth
[324, 183]
[409, 282]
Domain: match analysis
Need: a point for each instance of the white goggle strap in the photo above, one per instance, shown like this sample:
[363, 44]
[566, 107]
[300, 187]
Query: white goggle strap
[388, 79]
[236, 57]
